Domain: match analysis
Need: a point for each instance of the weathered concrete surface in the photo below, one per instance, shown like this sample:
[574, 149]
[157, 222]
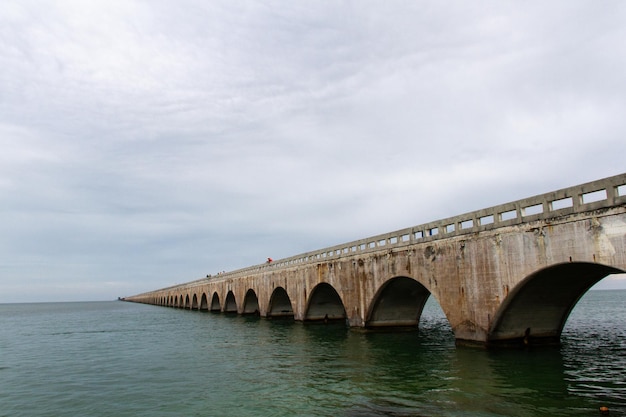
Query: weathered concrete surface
[497, 280]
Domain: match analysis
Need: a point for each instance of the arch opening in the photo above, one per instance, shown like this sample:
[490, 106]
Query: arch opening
[251, 303]
[187, 302]
[324, 304]
[398, 303]
[536, 310]
[194, 302]
[280, 304]
[215, 303]
[230, 305]
[203, 303]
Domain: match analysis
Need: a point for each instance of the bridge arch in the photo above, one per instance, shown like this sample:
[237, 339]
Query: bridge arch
[324, 304]
[204, 305]
[230, 305]
[215, 303]
[187, 302]
[280, 304]
[397, 303]
[536, 310]
[250, 303]
[194, 302]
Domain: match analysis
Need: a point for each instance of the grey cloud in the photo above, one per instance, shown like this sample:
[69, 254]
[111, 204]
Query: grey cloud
[149, 143]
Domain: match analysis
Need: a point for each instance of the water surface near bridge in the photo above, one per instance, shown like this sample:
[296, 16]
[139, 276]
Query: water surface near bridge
[125, 359]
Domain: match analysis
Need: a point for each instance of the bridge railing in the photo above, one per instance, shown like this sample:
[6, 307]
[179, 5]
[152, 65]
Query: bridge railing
[596, 195]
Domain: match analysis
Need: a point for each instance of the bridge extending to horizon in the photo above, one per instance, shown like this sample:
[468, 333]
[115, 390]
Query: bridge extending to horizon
[507, 274]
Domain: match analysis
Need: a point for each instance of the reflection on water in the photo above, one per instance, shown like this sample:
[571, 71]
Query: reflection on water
[594, 348]
[122, 359]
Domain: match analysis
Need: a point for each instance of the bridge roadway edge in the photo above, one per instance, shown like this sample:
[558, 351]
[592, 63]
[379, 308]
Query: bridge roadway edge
[473, 275]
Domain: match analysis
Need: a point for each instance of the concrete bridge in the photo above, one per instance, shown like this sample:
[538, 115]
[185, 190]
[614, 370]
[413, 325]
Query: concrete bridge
[503, 275]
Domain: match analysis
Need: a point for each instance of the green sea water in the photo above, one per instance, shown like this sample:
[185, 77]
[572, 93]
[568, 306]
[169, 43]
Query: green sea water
[124, 359]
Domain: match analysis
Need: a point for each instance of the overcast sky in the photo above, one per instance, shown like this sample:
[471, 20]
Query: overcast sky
[149, 143]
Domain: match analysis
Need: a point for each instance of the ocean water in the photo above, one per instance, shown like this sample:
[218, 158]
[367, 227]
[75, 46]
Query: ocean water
[124, 359]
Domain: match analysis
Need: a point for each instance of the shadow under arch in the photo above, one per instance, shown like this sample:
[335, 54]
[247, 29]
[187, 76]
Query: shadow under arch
[230, 305]
[536, 310]
[204, 305]
[324, 304]
[215, 303]
[194, 302]
[187, 302]
[250, 303]
[280, 304]
[398, 303]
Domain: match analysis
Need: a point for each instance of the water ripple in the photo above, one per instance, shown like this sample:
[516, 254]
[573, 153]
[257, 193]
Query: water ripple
[123, 359]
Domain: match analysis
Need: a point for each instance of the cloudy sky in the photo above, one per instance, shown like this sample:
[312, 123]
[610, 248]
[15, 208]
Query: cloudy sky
[149, 143]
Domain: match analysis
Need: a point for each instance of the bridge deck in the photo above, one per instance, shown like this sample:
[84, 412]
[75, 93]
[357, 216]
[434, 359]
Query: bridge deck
[595, 195]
